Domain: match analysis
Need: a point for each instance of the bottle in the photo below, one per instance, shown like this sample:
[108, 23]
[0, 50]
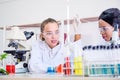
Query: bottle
[10, 64]
[67, 68]
[78, 67]
[50, 70]
[59, 69]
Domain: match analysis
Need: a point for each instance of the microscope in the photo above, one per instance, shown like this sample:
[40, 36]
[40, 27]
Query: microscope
[19, 51]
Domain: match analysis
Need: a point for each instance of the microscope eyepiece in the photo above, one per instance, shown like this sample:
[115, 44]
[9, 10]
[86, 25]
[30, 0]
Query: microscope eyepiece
[28, 35]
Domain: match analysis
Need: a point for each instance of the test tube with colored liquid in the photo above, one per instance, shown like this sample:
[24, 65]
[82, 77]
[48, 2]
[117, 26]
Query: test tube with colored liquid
[104, 70]
[67, 70]
[78, 65]
[119, 69]
[92, 69]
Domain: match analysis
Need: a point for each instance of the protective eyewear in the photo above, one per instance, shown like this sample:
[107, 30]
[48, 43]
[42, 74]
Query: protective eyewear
[51, 33]
[104, 29]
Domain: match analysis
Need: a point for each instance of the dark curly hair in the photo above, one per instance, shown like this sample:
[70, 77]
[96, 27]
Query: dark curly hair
[111, 16]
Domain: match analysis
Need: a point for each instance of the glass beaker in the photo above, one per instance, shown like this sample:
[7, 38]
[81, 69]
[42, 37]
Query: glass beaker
[10, 64]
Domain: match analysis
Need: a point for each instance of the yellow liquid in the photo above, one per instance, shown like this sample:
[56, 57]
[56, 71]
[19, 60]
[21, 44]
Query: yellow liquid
[78, 65]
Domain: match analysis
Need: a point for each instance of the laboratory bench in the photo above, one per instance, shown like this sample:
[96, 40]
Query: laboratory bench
[30, 76]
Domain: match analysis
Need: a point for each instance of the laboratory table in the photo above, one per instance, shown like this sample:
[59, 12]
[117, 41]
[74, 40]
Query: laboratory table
[29, 76]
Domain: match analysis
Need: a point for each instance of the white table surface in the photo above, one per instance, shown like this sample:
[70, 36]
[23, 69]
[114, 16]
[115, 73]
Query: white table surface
[29, 76]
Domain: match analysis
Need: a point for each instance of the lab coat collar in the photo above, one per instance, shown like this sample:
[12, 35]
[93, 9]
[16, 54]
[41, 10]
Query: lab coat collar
[55, 49]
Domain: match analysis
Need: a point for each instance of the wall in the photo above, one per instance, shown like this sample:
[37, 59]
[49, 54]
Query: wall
[90, 34]
[1, 41]
[14, 12]
[18, 12]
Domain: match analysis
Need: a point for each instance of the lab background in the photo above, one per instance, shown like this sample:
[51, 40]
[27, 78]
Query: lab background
[28, 14]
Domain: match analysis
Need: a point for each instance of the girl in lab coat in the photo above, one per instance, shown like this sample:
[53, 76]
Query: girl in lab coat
[107, 22]
[106, 53]
[50, 51]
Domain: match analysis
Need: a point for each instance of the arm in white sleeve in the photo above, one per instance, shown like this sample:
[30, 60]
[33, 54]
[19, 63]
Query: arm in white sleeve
[36, 63]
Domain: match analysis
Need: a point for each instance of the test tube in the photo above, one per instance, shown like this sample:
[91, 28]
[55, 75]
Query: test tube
[67, 70]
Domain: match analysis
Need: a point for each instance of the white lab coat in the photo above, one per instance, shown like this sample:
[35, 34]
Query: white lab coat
[42, 57]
